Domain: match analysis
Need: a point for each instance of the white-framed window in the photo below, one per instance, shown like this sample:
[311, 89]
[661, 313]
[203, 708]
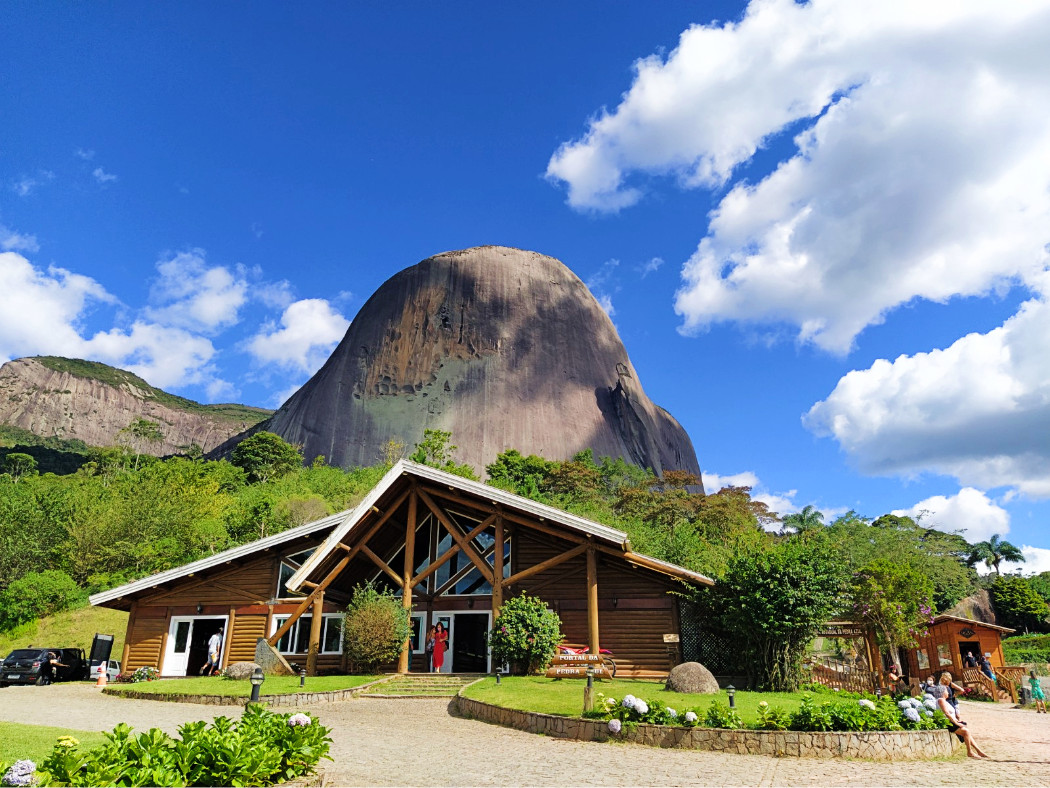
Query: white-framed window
[289, 566]
[297, 639]
[418, 633]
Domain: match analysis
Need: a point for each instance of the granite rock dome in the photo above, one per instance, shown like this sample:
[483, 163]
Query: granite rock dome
[505, 348]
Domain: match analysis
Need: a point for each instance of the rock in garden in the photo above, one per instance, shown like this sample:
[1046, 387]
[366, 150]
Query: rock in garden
[241, 670]
[692, 678]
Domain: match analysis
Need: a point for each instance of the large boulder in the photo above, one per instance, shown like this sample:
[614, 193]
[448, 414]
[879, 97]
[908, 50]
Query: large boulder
[241, 670]
[692, 678]
[502, 347]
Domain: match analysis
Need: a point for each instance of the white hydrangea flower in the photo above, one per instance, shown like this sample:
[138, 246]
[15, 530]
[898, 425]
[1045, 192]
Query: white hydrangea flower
[911, 714]
[672, 713]
[628, 701]
[690, 716]
[903, 704]
[866, 703]
[930, 704]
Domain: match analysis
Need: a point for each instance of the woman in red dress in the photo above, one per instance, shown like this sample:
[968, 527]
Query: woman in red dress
[440, 644]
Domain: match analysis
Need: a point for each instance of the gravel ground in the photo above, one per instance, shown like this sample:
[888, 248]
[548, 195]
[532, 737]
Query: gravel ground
[417, 742]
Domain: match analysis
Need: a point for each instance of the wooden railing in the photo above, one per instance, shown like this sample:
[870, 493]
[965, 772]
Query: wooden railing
[840, 675]
[972, 677]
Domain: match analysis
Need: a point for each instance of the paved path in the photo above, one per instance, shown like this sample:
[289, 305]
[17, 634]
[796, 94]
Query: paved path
[417, 742]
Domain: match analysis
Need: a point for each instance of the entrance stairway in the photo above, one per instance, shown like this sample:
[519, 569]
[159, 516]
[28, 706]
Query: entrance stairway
[422, 685]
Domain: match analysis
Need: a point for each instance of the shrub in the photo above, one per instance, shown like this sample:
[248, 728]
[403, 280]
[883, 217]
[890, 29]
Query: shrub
[376, 628]
[773, 718]
[721, 716]
[525, 635]
[35, 595]
[1026, 648]
[261, 748]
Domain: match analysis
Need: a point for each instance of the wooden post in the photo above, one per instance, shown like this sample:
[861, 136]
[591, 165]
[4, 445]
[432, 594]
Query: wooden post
[126, 653]
[227, 642]
[592, 599]
[315, 634]
[404, 662]
[497, 567]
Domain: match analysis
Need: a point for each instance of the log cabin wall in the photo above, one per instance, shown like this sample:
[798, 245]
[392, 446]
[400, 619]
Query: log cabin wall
[635, 607]
[942, 642]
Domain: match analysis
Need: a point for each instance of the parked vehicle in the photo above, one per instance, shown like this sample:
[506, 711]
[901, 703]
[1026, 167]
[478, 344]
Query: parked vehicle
[34, 666]
[111, 668]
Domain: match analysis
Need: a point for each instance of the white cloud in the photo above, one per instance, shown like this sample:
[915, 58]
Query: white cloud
[969, 511]
[978, 410]
[780, 502]
[27, 184]
[102, 176]
[84, 153]
[42, 312]
[11, 241]
[651, 266]
[920, 169]
[189, 294]
[309, 330]
[603, 284]
[1036, 560]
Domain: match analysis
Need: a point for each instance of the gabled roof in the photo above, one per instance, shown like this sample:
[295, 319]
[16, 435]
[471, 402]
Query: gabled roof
[493, 495]
[344, 522]
[939, 619]
[146, 583]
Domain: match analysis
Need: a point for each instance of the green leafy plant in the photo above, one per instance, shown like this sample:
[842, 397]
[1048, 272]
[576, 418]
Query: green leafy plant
[525, 635]
[719, 715]
[37, 594]
[376, 628]
[260, 749]
[773, 718]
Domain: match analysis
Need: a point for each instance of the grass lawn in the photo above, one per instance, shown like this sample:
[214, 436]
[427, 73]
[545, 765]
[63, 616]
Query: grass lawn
[35, 742]
[68, 629]
[274, 685]
[565, 697]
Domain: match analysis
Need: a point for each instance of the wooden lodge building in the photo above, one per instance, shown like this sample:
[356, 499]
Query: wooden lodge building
[451, 548]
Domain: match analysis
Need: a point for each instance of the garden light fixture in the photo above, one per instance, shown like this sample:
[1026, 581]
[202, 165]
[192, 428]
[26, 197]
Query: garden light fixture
[731, 691]
[257, 678]
[302, 678]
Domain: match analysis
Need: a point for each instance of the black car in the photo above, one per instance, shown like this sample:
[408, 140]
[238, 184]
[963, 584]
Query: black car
[36, 666]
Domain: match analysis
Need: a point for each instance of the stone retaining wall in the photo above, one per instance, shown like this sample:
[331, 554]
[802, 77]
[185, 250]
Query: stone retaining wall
[881, 746]
[290, 699]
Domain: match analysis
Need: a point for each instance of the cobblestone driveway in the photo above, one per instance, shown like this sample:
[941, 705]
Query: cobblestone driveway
[416, 742]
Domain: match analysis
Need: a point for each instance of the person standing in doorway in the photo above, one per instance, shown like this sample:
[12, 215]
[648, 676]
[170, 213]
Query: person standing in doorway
[440, 644]
[969, 661]
[211, 667]
[429, 649]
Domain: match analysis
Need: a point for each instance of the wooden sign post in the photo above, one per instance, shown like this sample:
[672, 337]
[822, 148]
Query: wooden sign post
[574, 666]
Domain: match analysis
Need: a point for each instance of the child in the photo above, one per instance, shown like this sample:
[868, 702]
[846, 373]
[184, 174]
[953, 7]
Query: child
[1037, 692]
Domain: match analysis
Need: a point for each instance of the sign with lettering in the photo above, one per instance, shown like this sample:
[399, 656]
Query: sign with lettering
[967, 632]
[576, 672]
[843, 630]
[576, 659]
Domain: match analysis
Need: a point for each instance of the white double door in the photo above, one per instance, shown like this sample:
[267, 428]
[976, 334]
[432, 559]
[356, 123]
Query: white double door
[187, 648]
[467, 650]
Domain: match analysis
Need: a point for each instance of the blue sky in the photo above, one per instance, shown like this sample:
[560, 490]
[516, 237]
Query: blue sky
[821, 230]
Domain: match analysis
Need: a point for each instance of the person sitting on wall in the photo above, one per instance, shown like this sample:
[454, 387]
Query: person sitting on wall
[958, 727]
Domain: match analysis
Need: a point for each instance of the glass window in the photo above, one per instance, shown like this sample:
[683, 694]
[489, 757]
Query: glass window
[297, 639]
[944, 654]
[332, 638]
[182, 633]
[416, 637]
[924, 659]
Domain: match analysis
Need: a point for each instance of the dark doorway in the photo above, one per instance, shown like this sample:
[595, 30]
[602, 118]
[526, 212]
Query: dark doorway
[971, 646]
[203, 628]
[469, 654]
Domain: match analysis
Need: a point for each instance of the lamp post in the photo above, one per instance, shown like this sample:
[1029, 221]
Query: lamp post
[731, 691]
[302, 678]
[257, 678]
[499, 673]
[588, 691]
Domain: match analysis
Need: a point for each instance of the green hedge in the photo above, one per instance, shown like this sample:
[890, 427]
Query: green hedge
[1026, 648]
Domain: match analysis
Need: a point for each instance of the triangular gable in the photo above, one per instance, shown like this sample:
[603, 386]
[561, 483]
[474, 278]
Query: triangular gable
[525, 506]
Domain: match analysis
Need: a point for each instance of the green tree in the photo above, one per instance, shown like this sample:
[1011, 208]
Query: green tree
[142, 433]
[896, 599]
[772, 600]
[375, 629]
[1040, 583]
[35, 595]
[807, 519]
[526, 634]
[265, 456]
[17, 465]
[993, 552]
[513, 471]
[436, 450]
[1018, 605]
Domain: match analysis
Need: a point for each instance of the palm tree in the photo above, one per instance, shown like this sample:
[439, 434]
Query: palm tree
[806, 520]
[993, 552]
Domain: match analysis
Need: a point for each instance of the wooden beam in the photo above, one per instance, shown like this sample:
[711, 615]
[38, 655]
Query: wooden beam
[457, 534]
[443, 559]
[228, 640]
[497, 565]
[336, 570]
[316, 620]
[381, 564]
[460, 574]
[404, 659]
[544, 565]
[592, 600]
